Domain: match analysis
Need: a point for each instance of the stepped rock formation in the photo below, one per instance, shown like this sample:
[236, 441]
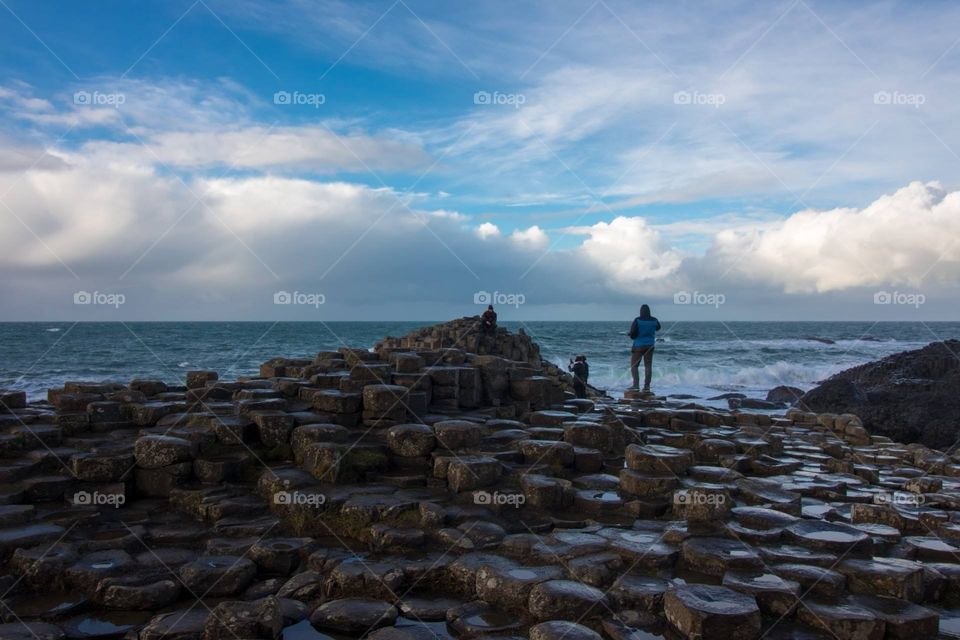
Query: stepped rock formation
[912, 396]
[421, 490]
[464, 334]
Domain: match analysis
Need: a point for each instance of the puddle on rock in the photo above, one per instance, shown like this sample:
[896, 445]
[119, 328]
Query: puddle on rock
[438, 630]
[111, 624]
[47, 606]
[303, 630]
[950, 624]
[522, 574]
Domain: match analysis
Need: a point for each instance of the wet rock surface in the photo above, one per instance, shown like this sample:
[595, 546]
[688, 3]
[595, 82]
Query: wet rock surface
[705, 611]
[447, 484]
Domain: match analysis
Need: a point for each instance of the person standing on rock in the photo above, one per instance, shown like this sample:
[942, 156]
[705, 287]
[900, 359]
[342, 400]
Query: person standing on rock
[581, 372]
[643, 332]
[488, 321]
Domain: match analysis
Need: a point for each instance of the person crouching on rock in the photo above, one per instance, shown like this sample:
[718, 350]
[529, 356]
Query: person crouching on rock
[488, 321]
[643, 331]
[581, 372]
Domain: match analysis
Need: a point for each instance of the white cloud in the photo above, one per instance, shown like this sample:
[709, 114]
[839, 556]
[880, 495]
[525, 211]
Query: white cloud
[16, 158]
[183, 124]
[897, 239]
[448, 215]
[907, 238]
[275, 205]
[798, 121]
[18, 100]
[103, 204]
[359, 246]
[85, 212]
[487, 230]
[19, 97]
[631, 253]
[301, 148]
[532, 237]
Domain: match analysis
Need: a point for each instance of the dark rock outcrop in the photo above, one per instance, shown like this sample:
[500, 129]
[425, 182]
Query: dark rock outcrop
[493, 352]
[784, 393]
[912, 396]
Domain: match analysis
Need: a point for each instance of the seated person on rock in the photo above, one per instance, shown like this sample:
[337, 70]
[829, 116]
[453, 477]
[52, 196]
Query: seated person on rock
[488, 321]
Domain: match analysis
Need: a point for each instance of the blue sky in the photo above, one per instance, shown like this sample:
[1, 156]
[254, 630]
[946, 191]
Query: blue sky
[795, 158]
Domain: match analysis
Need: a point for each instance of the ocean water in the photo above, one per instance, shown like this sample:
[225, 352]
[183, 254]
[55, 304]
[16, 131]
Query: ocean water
[696, 358]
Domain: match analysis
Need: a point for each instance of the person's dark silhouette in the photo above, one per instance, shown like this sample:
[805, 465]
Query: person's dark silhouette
[581, 372]
[488, 321]
[643, 332]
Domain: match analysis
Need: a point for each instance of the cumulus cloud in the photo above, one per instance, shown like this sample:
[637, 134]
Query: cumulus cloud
[127, 225]
[83, 212]
[630, 252]
[532, 237]
[487, 230]
[17, 158]
[897, 239]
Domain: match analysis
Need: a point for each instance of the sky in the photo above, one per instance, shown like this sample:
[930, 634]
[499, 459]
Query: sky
[409, 160]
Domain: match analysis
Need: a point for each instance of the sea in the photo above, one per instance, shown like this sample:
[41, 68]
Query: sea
[697, 359]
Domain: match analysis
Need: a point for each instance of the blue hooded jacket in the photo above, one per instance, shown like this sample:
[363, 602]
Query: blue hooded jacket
[644, 332]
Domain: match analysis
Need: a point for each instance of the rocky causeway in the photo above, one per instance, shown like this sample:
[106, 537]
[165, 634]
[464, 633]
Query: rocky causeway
[448, 484]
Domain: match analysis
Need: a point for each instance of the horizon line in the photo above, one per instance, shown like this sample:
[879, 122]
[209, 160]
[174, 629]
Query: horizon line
[457, 318]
